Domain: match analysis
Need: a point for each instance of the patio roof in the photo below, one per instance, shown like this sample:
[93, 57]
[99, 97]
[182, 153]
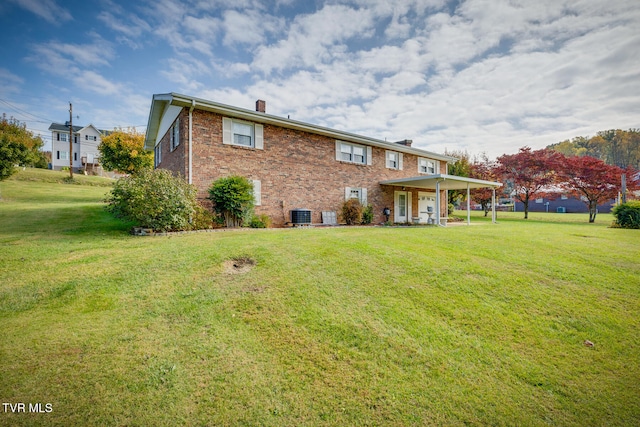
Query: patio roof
[448, 182]
[443, 181]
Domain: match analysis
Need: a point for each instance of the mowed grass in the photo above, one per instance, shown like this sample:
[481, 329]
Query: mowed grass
[480, 325]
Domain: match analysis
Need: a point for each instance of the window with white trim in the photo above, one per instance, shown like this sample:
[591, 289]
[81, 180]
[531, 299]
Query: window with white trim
[394, 160]
[62, 155]
[62, 136]
[359, 193]
[158, 154]
[353, 153]
[242, 133]
[175, 135]
[426, 166]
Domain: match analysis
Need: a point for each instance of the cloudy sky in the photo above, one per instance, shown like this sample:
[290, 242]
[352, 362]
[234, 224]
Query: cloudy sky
[478, 75]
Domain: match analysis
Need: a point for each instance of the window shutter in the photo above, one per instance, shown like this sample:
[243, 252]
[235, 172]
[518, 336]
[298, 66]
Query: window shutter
[227, 128]
[363, 192]
[259, 134]
[400, 160]
[409, 204]
[257, 192]
[369, 153]
[58, 152]
[437, 167]
[347, 193]
[58, 135]
[338, 155]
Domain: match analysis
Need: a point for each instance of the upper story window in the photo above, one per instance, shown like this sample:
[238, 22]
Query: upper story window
[426, 166]
[394, 160]
[90, 138]
[62, 136]
[353, 153]
[242, 133]
[175, 135]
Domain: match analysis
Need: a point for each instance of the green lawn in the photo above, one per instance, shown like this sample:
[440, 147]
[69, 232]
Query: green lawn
[480, 325]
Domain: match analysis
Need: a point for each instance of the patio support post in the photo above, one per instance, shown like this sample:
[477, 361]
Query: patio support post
[438, 202]
[468, 205]
[493, 205]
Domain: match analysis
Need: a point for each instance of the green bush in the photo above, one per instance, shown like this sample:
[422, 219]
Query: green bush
[232, 199]
[352, 212]
[154, 199]
[367, 214]
[627, 214]
[202, 218]
[261, 221]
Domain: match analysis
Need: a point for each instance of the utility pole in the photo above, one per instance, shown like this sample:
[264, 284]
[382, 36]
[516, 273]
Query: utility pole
[70, 140]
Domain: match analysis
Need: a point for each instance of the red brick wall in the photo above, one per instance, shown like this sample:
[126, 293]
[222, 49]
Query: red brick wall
[296, 169]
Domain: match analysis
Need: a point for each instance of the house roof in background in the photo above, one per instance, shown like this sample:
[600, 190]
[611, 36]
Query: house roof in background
[65, 128]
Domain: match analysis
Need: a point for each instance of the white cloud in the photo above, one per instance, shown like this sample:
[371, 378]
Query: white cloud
[48, 10]
[10, 82]
[311, 38]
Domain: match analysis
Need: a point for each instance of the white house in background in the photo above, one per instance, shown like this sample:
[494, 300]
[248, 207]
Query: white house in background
[85, 152]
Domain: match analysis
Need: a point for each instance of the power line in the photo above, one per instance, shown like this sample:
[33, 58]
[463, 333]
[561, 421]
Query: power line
[24, 111]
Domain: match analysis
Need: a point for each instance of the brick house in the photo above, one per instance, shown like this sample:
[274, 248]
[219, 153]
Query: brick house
[296, 165]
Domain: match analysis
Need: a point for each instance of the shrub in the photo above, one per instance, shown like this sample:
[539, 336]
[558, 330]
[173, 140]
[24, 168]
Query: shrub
[367, 215]
[232, 199]
[202, 218]
[352, 212]
[154, 199]
[262, 221]
[450, 209]
[627, 214]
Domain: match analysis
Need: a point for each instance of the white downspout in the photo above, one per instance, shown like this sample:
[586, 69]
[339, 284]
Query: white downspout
[193, 104]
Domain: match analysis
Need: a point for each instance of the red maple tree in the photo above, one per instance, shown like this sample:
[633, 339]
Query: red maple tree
[530, 174]
[483, 168]
[592, 179]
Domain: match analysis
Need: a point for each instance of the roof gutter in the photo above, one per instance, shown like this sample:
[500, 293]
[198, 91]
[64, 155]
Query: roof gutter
[192, 102]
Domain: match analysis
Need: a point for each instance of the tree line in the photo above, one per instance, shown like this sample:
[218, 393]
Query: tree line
[615, 147]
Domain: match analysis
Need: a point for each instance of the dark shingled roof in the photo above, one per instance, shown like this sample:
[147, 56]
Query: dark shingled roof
[65, 128]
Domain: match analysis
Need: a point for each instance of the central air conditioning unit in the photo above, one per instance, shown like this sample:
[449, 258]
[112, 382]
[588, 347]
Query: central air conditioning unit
[300, 216]
[561, 209]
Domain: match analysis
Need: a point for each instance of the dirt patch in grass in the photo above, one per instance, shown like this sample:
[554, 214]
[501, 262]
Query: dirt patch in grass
[239, 265]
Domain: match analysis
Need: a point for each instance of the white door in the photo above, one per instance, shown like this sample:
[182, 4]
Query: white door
[426, 207]
[402, 206]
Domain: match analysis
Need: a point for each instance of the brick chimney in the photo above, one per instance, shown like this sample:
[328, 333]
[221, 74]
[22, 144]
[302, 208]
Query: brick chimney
[261, 106]
[406, 142]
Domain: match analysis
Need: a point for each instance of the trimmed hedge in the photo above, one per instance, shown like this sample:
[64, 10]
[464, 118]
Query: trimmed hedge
[627, 215]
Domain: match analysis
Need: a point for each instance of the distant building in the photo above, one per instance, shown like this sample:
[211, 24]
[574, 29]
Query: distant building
[85, 154]
[563, 204]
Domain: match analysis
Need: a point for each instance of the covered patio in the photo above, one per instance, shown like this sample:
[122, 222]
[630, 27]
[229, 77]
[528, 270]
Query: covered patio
[448, 182]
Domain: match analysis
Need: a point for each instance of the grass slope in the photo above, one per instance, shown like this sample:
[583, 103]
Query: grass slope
[342, 326]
